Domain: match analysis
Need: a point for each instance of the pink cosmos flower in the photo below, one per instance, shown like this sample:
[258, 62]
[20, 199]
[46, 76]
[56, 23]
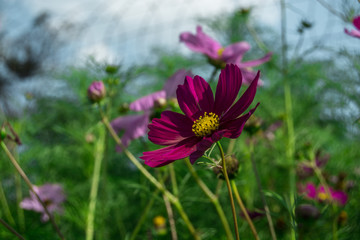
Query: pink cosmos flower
[355, 32]
[220, 56]
[320, 194]
[135, 126]
[206, 120]
[51, 194]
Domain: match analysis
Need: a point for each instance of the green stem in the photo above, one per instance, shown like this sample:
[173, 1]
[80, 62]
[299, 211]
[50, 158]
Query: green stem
[143, 216]
[263, 199]
[174, 200]
[290, 148]
[11, 229]
[5, 206]
[171, 217]
[173, 179]
[27, 181]
[243, 209]
[213, 198]
[98, 157]
[19, 198]
[229, 189]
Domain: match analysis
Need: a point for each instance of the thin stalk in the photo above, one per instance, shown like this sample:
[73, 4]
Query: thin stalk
[143, 216]
[98, 157]
[229, 189]
[243, 209]
[19, 197]
[27, 181]
[263, 199]
[213, 74]
[213, 198]
[171, 218]
[173, 180]
[11, 229]
[174, 200]
[5, 206]
[290, 148]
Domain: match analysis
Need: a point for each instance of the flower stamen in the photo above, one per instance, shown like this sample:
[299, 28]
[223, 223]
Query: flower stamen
[206, 124]
[220, 51]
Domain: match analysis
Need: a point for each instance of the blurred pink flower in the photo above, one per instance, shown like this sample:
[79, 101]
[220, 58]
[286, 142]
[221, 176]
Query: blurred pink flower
[135, 126]
[200, 42]
[355, 32]
[319, 194]
[304, 170]
[51, 194]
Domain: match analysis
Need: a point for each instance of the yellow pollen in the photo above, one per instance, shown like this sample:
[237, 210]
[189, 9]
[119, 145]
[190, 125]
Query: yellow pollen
[220, 51]
[322, 196]
[206, 124]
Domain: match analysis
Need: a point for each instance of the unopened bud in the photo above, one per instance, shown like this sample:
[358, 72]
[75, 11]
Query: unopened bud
[3, 134]
[96, 91]
[160, 225]
[160, 103]
[232, 167]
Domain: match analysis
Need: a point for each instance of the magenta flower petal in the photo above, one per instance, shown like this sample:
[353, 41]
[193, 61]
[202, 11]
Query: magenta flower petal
[234, 127]
[170, 129]
[340, 197]
[256, 62]
[174, 81]
[171, 153]
[227, 89]
[244, 102]
[147, 102]
[195, 96]
[135, 126]
[311, 191]
[201, 43]
[235, 52]
[201, 147]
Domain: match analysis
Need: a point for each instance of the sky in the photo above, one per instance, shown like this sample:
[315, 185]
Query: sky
[127, 30]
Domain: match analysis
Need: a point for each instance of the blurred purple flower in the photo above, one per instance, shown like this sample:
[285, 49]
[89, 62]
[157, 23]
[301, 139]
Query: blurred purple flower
[307, 211]
[355, 32]
[200, 42]
[206, 120]
[319, 194]
[96, 91]
[135, 126]
[51, 194]
[304, 170]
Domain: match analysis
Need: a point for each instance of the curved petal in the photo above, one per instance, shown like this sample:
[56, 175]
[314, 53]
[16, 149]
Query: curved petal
[249, 75]
[227, 89]
[171, 153]
[311, 191]
[340, 197]
[243, 103]
[235, 52]
[174, 81]
[170, 129]
[233, 128]
[201, 147]
[201, 43]
[195, 97]
[134, 126]
[353, 33]
[256, 62]
[356, 22]
[147, 102]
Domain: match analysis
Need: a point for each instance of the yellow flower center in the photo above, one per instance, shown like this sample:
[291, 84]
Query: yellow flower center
[206, 124]
[322, 196]
[220, 51]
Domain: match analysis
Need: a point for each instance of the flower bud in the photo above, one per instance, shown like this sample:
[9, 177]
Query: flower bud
[96, 91]
[160, 103]
[2, 134]
[232, 167]
[160, 225]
